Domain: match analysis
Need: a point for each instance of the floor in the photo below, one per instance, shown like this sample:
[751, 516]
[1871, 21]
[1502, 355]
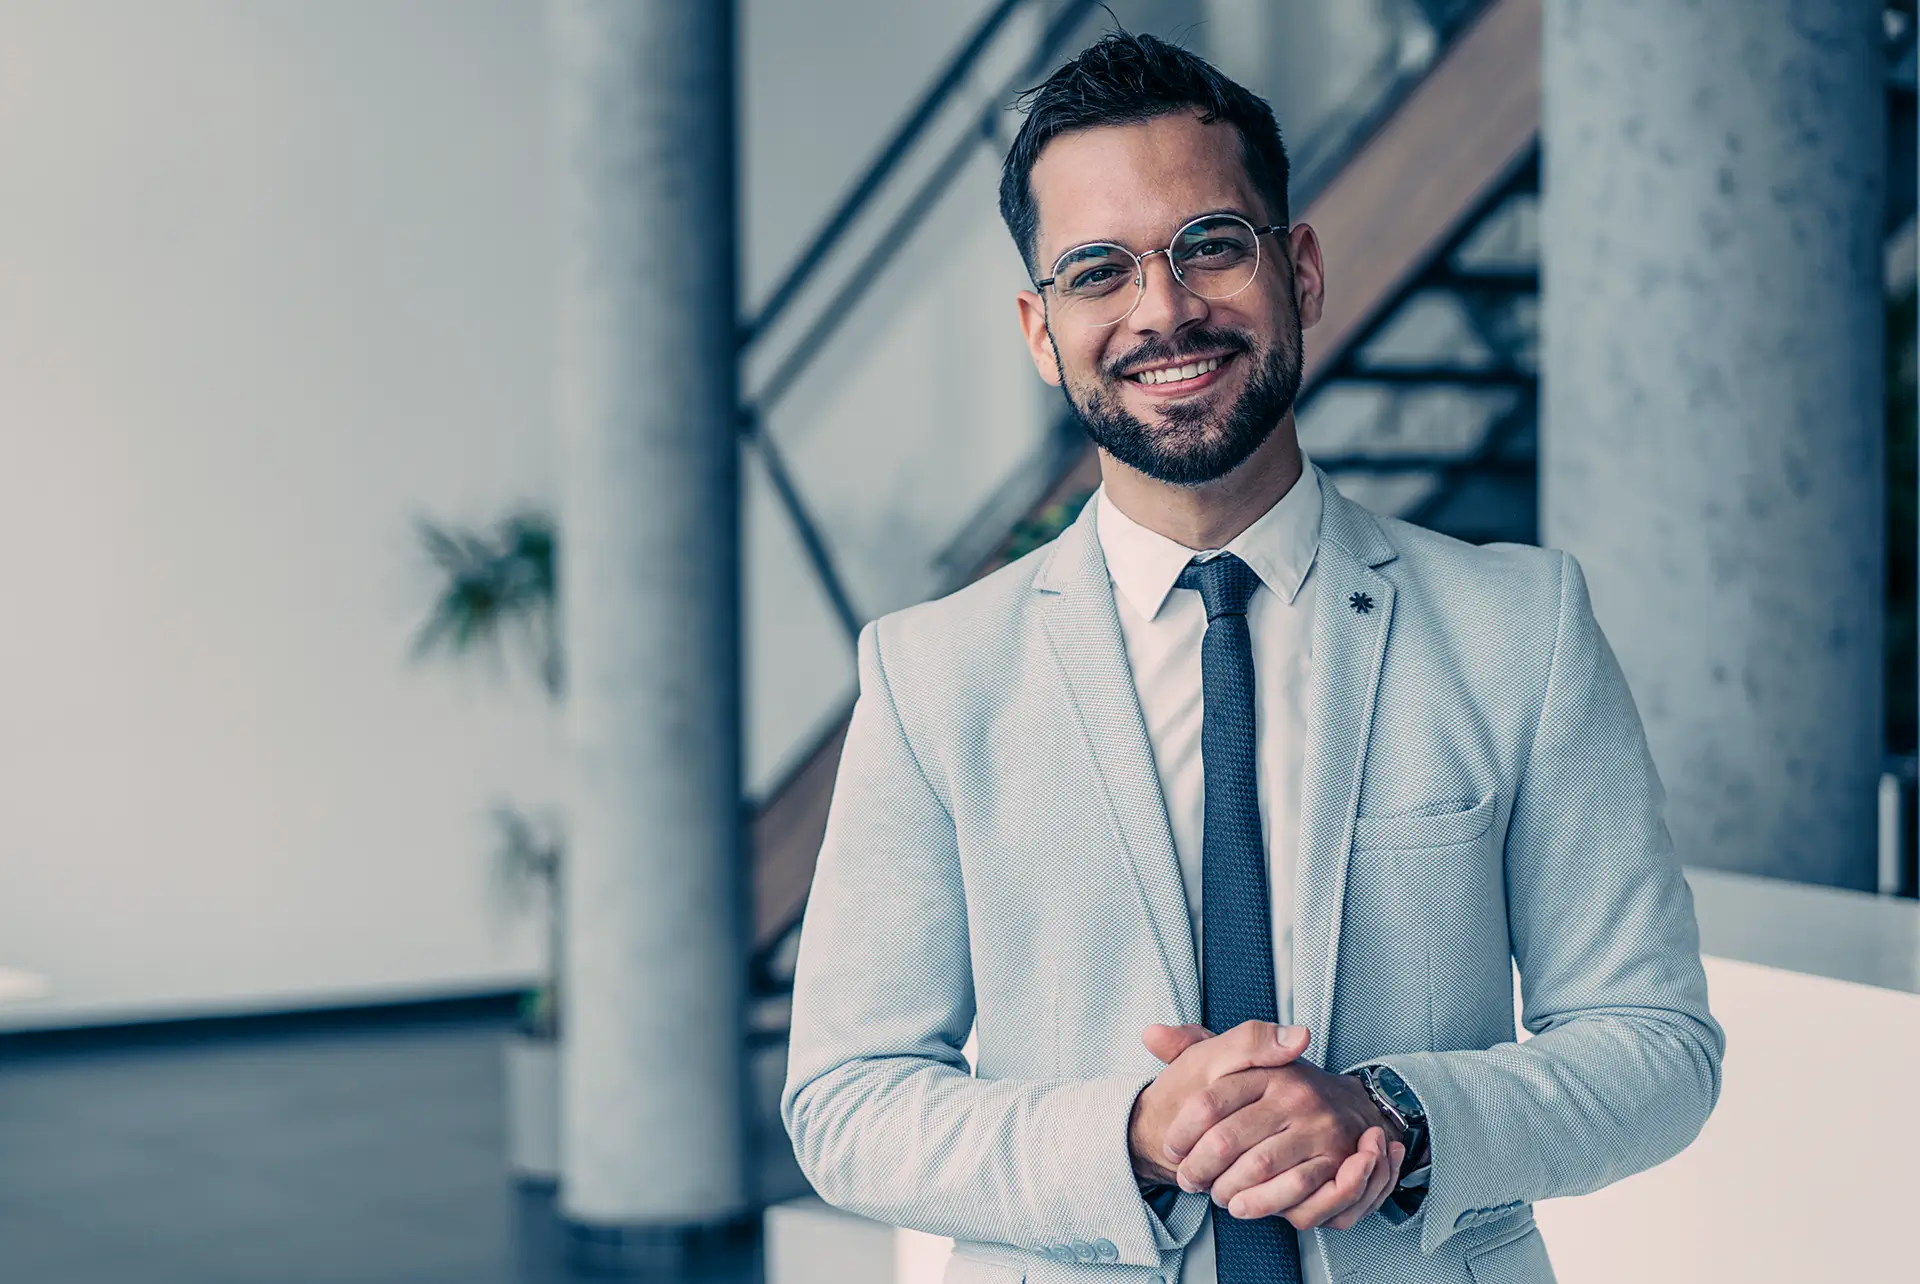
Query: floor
[369, 1155]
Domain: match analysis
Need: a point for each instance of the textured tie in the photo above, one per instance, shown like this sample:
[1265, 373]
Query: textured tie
[1237, 925]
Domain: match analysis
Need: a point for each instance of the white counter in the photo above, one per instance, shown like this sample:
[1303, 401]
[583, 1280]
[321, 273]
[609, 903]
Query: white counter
[1806, 1171]
[17, 986]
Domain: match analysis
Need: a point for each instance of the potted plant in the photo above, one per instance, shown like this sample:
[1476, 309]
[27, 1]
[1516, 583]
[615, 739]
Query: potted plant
[497, 589]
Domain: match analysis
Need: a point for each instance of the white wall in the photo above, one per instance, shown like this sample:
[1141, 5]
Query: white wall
[271, 283]
[274, 281]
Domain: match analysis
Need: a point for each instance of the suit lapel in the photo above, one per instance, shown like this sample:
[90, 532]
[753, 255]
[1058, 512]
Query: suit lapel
[1353, 610]
[1084, 629]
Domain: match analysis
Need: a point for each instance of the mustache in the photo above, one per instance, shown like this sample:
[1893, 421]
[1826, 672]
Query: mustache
[1193, 343]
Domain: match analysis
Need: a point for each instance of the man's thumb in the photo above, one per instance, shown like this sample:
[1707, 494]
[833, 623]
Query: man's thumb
[1277, 1045]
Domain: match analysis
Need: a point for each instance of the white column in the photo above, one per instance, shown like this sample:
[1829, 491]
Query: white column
[1712, 438]
[653, 1117]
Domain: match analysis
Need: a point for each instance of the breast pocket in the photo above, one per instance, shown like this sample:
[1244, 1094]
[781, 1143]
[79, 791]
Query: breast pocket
[1442, 826]
[1423, 939]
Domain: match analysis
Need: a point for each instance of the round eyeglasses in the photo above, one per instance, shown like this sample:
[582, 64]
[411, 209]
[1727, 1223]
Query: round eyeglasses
[1216, 256]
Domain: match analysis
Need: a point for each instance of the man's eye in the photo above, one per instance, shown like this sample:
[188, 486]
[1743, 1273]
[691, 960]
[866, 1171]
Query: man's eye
[1096, 279]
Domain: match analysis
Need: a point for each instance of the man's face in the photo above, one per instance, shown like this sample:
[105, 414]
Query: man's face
[1136, 185]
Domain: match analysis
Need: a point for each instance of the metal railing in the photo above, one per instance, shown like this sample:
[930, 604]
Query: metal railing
[838, 225]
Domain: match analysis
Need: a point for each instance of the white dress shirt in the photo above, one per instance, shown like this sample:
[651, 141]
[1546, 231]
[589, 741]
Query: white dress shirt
[1163, 627]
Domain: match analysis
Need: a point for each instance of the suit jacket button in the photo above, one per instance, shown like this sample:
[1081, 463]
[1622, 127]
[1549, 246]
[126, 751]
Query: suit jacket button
[1105, 1251]
[1082, 1251]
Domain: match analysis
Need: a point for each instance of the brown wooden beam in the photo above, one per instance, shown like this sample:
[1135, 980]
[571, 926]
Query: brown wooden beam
[1470, 121]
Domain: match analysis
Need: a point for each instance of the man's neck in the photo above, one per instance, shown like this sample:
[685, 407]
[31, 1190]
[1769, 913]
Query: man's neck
[1209, 515]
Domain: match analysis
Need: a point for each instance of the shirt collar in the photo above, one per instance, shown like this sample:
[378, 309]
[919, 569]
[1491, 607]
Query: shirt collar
[1279, 546]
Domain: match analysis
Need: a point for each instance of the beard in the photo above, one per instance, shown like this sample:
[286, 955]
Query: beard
[1196, 441]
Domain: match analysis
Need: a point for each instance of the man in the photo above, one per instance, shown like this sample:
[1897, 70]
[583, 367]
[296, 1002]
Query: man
[1232, 751]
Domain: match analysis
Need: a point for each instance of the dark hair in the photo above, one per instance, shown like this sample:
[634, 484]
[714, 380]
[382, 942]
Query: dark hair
[1124, 79]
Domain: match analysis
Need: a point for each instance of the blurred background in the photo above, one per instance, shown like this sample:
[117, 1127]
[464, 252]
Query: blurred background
[294, 439]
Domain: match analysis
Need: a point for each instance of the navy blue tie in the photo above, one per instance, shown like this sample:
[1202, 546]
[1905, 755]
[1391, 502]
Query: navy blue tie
[1236, 921]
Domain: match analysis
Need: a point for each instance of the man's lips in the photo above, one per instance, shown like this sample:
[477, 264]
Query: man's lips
[1183, 378]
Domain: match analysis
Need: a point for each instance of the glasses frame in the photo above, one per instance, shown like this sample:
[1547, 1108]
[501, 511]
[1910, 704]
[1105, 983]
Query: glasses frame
[1140, 263]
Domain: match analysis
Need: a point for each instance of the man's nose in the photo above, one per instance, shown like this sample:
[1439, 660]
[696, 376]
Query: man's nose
[1165, 306]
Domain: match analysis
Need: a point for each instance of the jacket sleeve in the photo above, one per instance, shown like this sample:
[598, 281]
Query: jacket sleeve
[1624, 1065]
[886, 1119]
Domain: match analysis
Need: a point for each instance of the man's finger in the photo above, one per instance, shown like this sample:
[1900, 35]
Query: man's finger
[1207, 1107]
[1346, 1187]
[1386, 1175]
[1223, 1144]
[1258, 1186]
[1168, 1041]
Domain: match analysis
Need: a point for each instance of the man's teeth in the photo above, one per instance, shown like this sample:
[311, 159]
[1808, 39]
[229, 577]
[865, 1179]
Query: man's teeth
[1178, 374]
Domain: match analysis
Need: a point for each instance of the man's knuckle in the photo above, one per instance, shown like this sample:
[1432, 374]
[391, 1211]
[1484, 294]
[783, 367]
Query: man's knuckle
[1213, 1152]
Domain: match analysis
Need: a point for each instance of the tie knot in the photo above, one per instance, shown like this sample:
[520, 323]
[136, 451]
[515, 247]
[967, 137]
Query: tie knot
[1225, 584]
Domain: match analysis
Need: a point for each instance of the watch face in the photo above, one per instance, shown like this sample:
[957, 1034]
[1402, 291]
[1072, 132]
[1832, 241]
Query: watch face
[1395, 1089]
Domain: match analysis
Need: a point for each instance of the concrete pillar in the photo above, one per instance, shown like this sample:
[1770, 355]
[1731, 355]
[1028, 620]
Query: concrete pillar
[653, 1117]
[1712, 442]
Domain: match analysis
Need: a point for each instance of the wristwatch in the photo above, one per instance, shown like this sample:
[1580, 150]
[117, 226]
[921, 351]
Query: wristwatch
[1394, 1099]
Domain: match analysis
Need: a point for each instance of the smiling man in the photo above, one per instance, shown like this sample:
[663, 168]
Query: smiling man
[1224, 819]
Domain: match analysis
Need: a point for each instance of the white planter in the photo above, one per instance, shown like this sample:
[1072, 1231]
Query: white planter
[533, 1108]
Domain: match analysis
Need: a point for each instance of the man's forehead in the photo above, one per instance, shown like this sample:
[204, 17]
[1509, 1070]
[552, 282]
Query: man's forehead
[1137, 181]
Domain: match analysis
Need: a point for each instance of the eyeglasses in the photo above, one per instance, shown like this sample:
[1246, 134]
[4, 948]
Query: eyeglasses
[1216, 256]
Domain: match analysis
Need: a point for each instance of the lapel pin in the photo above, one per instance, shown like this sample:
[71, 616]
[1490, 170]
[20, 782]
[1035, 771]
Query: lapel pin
[1361, 603]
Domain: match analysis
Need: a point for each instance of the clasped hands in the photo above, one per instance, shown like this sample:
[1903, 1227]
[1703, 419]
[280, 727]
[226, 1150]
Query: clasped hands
[1240, 1116]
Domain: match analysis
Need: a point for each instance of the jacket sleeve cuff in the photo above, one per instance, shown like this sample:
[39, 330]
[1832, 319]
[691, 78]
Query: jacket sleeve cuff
[1404, 1205]
[1094, 1177]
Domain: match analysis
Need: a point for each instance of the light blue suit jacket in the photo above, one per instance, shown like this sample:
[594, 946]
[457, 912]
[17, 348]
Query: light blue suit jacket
[1477, 793]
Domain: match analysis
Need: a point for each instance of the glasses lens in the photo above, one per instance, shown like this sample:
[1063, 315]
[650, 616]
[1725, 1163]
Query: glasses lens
[1096, 282]
[1217, 255]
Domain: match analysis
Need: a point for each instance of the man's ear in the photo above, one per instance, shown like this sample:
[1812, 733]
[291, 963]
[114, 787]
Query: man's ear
[1033, 324]
[1309, 273]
